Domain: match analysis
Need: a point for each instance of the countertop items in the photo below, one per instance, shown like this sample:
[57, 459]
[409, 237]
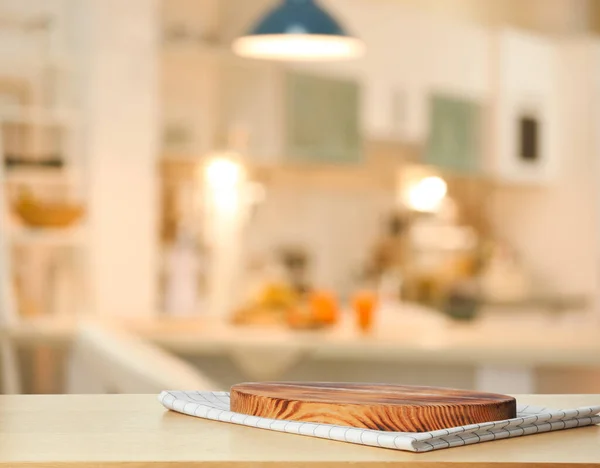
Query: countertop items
[118, 431]
[418, 341]
[529, 420]
[505, 358]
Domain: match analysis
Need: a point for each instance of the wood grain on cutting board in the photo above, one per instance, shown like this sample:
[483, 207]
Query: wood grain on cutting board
[371, 406]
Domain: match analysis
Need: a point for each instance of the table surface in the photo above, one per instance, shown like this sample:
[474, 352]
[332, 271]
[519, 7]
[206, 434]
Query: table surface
[134, 431]
[403, 340]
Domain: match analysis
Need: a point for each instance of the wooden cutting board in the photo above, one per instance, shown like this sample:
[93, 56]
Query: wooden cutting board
[371, 406]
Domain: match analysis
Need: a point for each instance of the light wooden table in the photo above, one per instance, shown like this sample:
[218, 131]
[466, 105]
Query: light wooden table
[132, 431]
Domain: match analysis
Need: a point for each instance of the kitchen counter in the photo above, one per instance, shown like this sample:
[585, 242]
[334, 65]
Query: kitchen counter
[504, 356]
[413, 340]
[131, 431]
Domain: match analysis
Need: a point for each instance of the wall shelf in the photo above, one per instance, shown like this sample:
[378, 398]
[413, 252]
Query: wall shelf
[42, 176]
[38, 116]
[48, 237]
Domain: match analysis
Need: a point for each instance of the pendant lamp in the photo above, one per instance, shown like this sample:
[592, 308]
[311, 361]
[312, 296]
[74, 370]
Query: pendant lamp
[299, 30]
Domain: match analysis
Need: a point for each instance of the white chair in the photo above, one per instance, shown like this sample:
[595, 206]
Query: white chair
[105, 359]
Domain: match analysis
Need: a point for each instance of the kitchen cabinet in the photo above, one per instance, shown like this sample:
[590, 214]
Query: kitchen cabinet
[410, 56]
[188, 93]
[250, 102]
[283, 113]
[209, 94]
[322, 119]
[525, 133]
[454, 141]
[288, 115]
[512, 76]
[388, 110]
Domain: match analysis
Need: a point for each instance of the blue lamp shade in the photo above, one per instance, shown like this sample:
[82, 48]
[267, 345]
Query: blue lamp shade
[298, 30]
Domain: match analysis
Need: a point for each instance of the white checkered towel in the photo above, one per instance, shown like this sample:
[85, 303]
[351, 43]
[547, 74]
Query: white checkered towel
[529, 420]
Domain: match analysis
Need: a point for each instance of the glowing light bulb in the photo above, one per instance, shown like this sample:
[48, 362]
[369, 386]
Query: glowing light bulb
[223, 174]
[428, 194]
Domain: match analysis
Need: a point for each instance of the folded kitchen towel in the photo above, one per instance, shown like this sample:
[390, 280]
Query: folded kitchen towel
[529, 420]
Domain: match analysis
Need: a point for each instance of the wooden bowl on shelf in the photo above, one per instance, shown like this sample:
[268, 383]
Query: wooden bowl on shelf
[48, 215]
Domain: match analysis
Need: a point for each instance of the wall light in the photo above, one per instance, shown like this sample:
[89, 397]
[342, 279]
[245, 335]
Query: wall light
[224, 217]
[222, 173]
[427, 194]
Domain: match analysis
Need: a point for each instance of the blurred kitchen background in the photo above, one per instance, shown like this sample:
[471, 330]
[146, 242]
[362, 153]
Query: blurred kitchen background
[404, 191]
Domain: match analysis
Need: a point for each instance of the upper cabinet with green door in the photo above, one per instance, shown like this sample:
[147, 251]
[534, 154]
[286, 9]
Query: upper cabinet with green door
[322, 119]
[454, 141]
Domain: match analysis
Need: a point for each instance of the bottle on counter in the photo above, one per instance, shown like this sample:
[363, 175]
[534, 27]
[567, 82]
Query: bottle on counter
[182, 268]
[365, 304]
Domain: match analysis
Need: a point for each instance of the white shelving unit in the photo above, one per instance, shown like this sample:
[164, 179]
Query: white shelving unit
[69, 177]
[38, 243]
[38, 125]
[48, 237]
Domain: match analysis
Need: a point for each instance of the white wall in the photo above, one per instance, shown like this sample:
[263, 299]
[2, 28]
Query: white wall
[337, 226]
[544, 16]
